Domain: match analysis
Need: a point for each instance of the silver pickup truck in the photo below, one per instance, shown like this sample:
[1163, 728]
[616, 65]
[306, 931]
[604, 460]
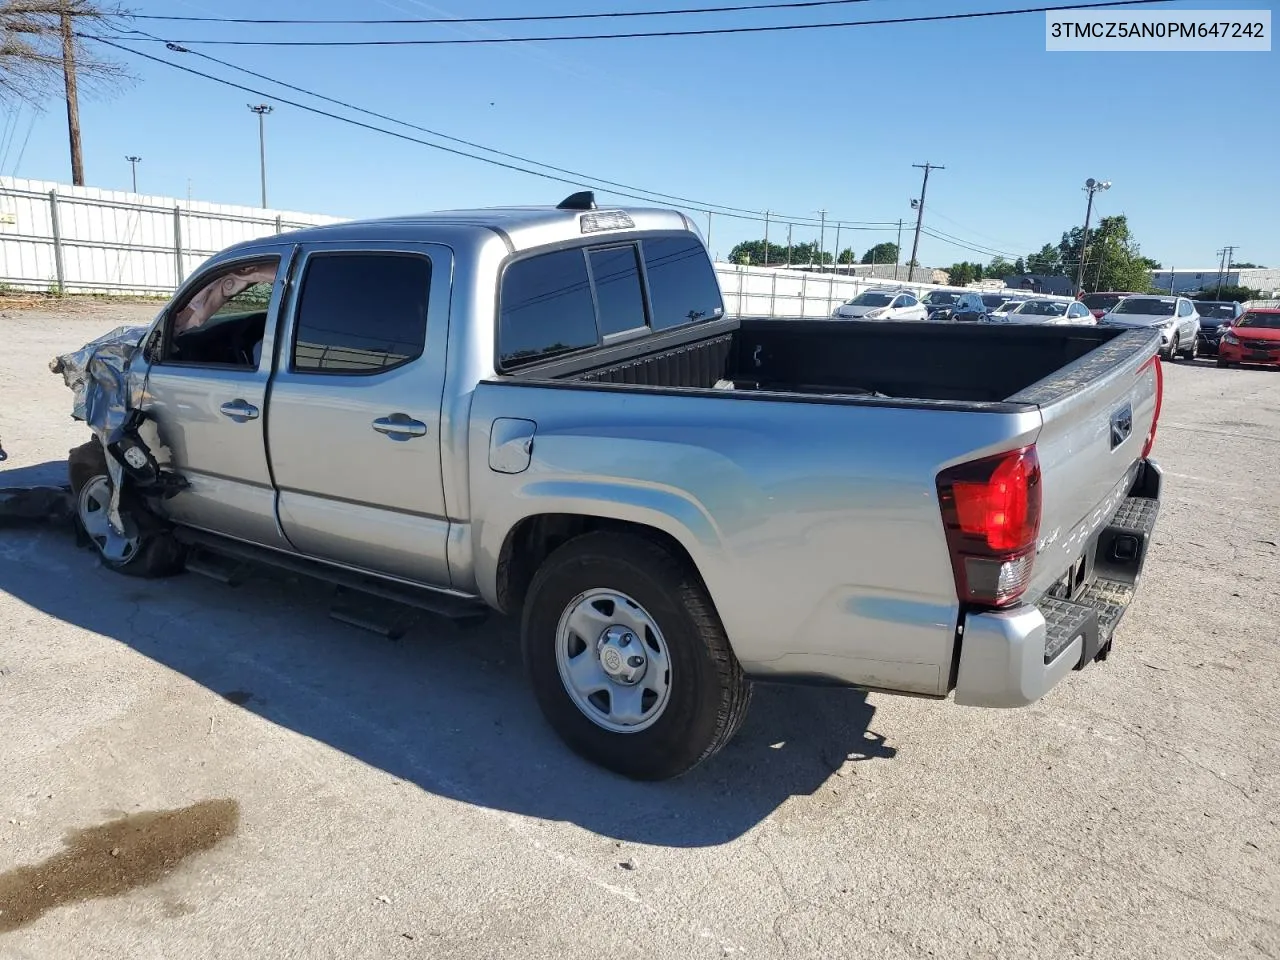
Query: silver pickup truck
[546, 411]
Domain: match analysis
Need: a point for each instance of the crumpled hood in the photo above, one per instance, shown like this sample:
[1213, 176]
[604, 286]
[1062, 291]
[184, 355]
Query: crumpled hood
[97, 374]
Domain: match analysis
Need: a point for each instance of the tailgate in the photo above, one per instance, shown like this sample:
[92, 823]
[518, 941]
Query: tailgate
[1097, 414]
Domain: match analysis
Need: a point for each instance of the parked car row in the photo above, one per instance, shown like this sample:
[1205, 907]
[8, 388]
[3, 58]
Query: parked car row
[1186, 326]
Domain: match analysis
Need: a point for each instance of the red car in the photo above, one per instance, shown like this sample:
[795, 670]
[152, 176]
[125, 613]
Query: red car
[1252, 338]
[1099, 303]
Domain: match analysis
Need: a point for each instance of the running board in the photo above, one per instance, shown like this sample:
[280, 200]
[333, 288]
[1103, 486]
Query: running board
[432, 601]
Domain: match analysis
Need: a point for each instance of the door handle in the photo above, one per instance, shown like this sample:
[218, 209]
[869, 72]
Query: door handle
[400, 426]
[239, 410]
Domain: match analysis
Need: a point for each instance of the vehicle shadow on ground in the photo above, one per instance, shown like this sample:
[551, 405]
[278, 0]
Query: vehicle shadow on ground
[445, 708]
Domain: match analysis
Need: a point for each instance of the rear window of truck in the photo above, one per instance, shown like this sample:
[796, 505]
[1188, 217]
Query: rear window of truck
[558, 303]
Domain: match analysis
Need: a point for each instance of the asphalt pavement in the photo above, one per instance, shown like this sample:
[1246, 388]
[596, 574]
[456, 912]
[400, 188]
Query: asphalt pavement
[201, 771]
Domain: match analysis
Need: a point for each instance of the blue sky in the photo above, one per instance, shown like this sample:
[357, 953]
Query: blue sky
[791, 122]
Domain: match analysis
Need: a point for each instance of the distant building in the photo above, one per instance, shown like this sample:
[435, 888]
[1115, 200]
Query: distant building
[1042, 283]
[1206, 278]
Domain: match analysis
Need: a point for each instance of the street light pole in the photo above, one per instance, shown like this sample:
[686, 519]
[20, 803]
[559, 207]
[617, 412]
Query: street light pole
[262, 110]
[1091, 187]
[133, 165]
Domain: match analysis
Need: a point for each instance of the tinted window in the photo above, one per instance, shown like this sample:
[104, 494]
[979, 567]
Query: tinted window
[1267, 321]
[1100, 301]
[1043, 308]
[361, 313]
[1145, 306]
[993, 301]
[870, 299]
[682, 284]
[940, 298]
[1216, 311]
[546, 308]
[618, 298]
[909, 301]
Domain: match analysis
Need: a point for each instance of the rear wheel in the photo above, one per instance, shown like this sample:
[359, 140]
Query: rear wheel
[144, 548]
[628, 659]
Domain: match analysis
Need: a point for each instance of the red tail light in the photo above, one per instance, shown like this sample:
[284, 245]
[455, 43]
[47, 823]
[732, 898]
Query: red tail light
[1155, 417]
[991, 512]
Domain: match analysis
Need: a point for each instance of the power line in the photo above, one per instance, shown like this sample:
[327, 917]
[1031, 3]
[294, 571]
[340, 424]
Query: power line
[524, 18]
[707, 31]
[977, 233]
[969, 244]
[701, 206]
[426, 143]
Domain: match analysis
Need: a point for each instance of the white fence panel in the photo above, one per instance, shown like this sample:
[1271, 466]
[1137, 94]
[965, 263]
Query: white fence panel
[86, 240]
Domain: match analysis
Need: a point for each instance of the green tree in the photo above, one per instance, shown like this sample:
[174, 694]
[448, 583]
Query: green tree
[847, 255]
[999, 268]
[1238, 294]
[1247, 266]
[964, 272]
[882, 253]
[751, 252]
[1047, 262]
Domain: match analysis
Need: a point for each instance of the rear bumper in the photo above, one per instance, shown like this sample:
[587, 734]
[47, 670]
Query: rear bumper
[1011, 658]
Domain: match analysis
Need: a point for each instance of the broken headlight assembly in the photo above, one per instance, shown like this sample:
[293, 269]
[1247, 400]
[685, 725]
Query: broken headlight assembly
[126, 446]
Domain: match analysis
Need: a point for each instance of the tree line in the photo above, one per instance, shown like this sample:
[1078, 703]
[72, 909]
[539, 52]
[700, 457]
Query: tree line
[752, 253]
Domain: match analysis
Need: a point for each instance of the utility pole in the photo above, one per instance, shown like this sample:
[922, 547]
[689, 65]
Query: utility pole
[766, 238]
[924, 187]
[708, 230]
[897, 260]
[262, 110]
[73, 98]
[1091, 186]
[1222, 262]
[1227, 273]
[822, 237]
[835, 267]
[133, 165]
[789, 244]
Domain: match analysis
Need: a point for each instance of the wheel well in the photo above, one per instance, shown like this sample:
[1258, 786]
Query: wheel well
[535, 538]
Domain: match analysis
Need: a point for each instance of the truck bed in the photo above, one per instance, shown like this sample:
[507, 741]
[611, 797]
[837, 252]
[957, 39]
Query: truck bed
[934, 362]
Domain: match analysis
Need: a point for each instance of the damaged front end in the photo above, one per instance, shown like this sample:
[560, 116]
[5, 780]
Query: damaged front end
[109, 401]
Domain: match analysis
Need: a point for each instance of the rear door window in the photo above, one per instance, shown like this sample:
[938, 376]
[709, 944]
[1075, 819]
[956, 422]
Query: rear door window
[682, 283]
[546, 308]
[361, 313]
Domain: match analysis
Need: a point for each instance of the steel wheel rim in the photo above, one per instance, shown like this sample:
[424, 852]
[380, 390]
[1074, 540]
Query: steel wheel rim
[91, 508]
[613, 661]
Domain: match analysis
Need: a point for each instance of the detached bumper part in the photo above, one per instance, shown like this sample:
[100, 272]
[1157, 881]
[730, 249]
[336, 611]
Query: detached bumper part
[1011, 658]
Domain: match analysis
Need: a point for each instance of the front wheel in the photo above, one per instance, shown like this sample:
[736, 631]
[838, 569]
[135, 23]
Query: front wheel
[1172, 353]
[143, 548]
[1223, 363]
[1193, 350]
[628, 658]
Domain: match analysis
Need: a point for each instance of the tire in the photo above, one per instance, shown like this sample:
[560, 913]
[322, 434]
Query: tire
[154, 553]
[1173, 348]
[706, 694]
[1223, 363]
[1193, 351]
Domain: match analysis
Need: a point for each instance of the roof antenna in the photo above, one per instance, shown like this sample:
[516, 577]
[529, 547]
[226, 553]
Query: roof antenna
[585, 200]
